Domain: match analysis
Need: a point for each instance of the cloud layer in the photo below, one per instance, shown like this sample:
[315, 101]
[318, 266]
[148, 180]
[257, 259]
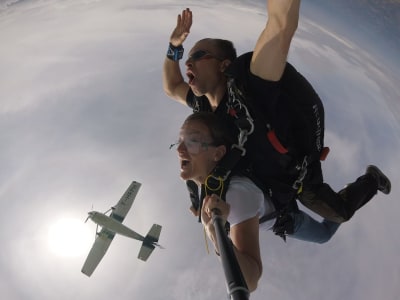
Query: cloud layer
[83, 114]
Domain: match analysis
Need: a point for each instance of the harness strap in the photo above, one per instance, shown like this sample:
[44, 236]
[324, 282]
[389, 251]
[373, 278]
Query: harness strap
[303, 168]
[273, 139]
[193, 194]
[244, 122]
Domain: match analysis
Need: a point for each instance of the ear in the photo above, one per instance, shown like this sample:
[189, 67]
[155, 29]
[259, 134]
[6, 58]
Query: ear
[224, 64]
[220, 152]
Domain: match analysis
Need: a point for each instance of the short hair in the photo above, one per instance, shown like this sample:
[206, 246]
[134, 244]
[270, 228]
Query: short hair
[218, 130]
[225, 48]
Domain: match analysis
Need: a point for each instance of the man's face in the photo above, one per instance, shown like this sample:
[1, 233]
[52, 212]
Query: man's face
[203, 68]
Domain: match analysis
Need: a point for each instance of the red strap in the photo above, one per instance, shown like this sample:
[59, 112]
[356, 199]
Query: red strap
[275, 142]
[324, 153]
[273, 139]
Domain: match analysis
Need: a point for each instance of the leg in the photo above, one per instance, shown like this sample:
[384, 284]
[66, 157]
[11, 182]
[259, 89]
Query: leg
[358, 193]
[322, 200]
[340, 207]
[310, 230]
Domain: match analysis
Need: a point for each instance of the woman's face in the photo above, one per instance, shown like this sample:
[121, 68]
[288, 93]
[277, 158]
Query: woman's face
[196, 151]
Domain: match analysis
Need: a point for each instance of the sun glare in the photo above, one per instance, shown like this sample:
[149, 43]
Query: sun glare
[69, 237]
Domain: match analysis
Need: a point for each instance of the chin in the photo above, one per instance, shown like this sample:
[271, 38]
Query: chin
[185, 176]
[197, 93]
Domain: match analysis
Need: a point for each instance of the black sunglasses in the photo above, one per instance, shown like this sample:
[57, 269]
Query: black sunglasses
[201, 54]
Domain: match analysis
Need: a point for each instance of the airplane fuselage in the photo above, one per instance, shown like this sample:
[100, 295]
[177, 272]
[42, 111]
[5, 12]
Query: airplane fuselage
[113, 225]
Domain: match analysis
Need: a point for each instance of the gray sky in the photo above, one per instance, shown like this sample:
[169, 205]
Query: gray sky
[83, 113]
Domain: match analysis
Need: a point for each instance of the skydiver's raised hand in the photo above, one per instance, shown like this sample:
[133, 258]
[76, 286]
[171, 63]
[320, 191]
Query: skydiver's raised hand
[182, 28]
[173, 82]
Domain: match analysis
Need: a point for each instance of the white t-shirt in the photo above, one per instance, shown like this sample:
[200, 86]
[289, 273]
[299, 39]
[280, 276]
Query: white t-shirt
[246, 200]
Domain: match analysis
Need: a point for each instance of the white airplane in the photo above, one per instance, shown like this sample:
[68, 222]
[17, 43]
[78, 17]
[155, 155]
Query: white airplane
[113, 224]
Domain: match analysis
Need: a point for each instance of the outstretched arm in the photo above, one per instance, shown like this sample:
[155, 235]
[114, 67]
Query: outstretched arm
[244, 236]
[173, 82]
[272, 47]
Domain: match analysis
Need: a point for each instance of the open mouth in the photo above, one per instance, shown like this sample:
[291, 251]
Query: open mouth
[190, 76]
[184, 163]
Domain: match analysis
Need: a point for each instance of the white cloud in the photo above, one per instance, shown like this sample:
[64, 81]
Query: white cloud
[83, 113]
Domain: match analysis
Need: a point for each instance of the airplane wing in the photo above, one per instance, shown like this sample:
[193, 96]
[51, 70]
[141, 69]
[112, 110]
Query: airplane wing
[99, 248]
[125, 203]
[149, 243]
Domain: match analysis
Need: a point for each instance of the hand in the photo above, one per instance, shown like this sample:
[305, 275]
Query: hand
[210, 203]
[182, 28]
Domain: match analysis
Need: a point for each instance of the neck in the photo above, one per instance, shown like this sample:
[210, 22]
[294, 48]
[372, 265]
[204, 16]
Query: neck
[215, 97]
[201, 179]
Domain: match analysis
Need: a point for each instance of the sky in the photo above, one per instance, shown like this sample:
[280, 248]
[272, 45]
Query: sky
[83, 113]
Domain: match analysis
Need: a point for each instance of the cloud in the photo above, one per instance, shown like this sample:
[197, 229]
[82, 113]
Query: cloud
[83, 113]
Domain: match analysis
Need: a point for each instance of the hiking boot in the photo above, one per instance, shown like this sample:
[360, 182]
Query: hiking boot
[383, 182]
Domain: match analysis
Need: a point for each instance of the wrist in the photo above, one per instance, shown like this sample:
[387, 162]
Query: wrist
[175, 53]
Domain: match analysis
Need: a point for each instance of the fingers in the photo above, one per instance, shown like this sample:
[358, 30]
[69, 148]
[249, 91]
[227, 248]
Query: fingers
[184, 21]
[214, 202]
[182, 29]
[187, 19]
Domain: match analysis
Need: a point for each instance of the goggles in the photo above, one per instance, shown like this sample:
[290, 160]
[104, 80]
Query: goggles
[201, 54]
[192, 144]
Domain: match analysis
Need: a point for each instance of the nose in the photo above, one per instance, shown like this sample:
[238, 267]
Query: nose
[189, 63]
[181, 147]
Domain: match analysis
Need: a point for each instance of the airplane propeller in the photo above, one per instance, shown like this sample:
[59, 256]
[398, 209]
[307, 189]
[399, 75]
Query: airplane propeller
[89, 216]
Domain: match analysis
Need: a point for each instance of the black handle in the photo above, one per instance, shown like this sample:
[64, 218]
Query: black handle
[236, 285]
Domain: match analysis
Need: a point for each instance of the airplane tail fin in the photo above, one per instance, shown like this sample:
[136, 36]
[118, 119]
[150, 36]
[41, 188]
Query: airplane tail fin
[150, 242]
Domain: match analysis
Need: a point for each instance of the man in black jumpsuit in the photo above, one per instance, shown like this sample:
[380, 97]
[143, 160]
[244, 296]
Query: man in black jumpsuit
[285, 99]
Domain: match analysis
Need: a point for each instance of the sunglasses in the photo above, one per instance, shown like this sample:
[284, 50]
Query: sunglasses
[192, 145]
[201, 54]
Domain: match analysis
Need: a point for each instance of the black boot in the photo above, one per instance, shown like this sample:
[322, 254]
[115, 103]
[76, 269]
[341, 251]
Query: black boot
[358, 193]
[383, 182]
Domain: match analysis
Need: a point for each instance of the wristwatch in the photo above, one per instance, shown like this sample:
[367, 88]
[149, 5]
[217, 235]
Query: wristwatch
[175, 53]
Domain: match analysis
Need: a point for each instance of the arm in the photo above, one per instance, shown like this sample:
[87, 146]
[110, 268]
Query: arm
[272, 47]
[173, 83]
[244, 236]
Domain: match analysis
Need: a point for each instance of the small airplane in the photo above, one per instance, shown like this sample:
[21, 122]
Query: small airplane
[112, 224]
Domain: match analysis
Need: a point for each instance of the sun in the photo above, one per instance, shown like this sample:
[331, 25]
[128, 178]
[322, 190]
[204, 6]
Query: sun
[69, 237]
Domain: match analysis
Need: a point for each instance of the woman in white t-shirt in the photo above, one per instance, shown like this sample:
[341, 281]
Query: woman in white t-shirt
[202, 143]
